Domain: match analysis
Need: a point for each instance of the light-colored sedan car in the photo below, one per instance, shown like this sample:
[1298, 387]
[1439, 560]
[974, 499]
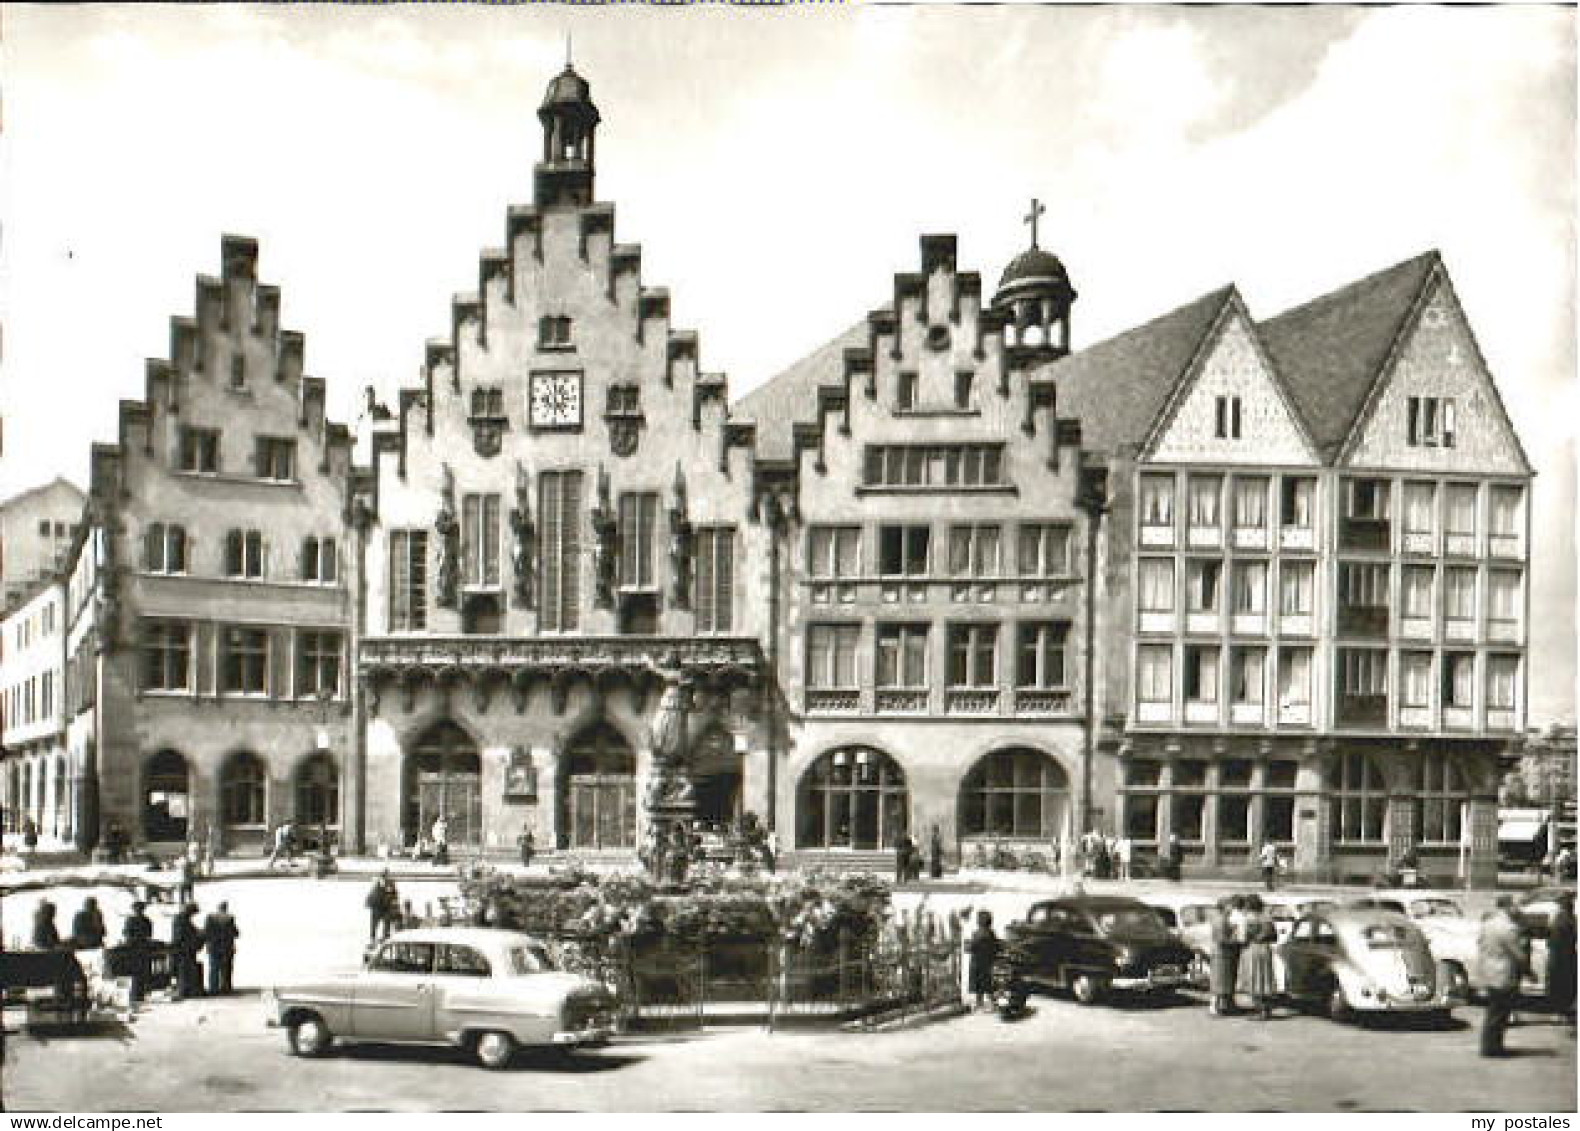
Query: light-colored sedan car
[490, 991]
[1449, 934]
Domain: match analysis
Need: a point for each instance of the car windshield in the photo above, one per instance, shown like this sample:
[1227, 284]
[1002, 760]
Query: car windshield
[1435, 908]
[1130, 921]
[530, 959]
[1383, 936]
[1314, 905]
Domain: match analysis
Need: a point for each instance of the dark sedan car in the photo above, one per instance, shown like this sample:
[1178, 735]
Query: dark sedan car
[1093, 944]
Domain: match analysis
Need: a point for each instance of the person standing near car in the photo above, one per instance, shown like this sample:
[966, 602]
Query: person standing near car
[1502, 957]
[1258, 980]
[383, 904]
[87, 926]
[983, 949]
[219, 937]
[1225, 957]
[1561, 959]
[46, 936]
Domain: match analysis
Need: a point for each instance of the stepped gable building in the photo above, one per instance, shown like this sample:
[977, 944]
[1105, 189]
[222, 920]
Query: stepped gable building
[216, 584]
[564, 580]
[1318, 637]
[933, 569]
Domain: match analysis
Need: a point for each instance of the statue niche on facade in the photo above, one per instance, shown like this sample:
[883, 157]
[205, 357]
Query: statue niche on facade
[448, 531]
[524, 544]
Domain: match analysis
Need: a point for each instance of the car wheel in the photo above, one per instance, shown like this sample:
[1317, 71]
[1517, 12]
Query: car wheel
[1088, 988]
[495, 1049]
[1339, 1005]
[310, 1036]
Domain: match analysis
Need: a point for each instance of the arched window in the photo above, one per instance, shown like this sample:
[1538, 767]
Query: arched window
[598, 800]
[1015, 793]
[1359, 799]
[1441, 792]
[166, 797]
[243, 790]
[853, 797]
[318, 792]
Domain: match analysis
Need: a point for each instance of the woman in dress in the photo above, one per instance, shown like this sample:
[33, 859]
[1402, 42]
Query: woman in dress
[983, 948]
[1257, 978]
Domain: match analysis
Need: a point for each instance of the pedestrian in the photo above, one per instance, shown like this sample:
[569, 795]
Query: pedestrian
[185, 941]
[902, 859]
[983, 948]
[115, 842]
[137, 935]
[1268, 858]
[528, 846]
[211, 852]
[283, 845]
[1257, 978]
[1225, 957]
[935, 854]
[771, 850]
[186, 890]
[219, 936]
[87, 926]
[1124, 850]
[46, 936]
[1173, 858]
[441, 840]
[1561, 959]
[1502, 957]
[382, 904]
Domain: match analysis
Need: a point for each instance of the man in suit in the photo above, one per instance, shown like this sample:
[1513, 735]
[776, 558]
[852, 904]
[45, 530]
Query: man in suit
[219, 936]
[1502, 957]
[185, 939]
[137, 934]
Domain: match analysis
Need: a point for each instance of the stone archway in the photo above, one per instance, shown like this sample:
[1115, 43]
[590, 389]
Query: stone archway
[443, 778]
[597, 790]
[166, 797]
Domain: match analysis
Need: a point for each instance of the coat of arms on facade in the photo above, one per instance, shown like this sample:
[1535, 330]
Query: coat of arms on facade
[487, 435]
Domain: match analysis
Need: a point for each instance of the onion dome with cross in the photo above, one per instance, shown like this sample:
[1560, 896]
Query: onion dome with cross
[1035, 292]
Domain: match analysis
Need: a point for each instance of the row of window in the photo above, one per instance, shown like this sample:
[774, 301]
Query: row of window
[900, 655]
[198, 452]
[1361, 586]
[1358, 799]
[1248, 498]
[907, 391]
[933, 465]
[1360, 674]
[42, 623]
[247, 659]
[488, 401]
[31, 700]
[243, 793]
[167, 548]
[1042, 549]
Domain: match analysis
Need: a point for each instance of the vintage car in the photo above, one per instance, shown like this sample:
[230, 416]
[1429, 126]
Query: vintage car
[1354, 960]
[490, 991]
[1285, 909]
[1189, 915]
[1450, 935]
[1091, 944]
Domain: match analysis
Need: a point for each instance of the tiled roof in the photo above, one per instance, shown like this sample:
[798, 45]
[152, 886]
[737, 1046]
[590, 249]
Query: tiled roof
[1117, 387]
[1330, 350]
[791, 398]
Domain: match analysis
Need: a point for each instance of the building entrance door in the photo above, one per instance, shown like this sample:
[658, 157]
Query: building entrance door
[444, 778]
[598, 798]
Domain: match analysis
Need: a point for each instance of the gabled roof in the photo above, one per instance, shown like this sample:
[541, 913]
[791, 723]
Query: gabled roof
[1117, 387]
[1332, 350]
[791, 397]
[53, 484]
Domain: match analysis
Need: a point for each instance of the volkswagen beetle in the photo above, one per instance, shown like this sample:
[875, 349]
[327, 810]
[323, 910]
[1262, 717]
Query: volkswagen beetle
[485, 990]
[1362, 960]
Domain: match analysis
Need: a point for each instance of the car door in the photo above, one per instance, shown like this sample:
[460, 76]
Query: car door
[1036, 941]
[462, 984]
[1084, 947]
[395, 995]
[1308, 955]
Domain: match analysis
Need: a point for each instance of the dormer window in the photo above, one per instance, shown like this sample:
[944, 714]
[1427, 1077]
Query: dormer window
[554, 333]
[1430, 422]
[1226, 418]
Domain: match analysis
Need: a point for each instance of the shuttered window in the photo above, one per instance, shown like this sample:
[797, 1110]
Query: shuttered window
[715, 578]
[638, 514]
[560, 504]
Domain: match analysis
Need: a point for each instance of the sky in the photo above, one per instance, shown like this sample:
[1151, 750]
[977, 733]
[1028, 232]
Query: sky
[777, 166]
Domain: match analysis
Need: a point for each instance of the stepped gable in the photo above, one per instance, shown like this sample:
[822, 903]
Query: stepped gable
[790, 398]
[1332, 350]
[1117, 388]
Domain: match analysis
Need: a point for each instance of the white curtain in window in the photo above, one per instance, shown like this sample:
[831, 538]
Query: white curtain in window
[1204, 501]
[1250, 503]
[1417, 679]
[1157, 585]
[1419, 503]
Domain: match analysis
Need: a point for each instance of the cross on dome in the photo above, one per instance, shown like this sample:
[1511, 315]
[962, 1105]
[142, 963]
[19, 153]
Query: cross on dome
[1037, 209]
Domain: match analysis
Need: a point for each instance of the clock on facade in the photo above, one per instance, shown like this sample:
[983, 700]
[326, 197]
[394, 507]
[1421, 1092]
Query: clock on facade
[556, 400]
